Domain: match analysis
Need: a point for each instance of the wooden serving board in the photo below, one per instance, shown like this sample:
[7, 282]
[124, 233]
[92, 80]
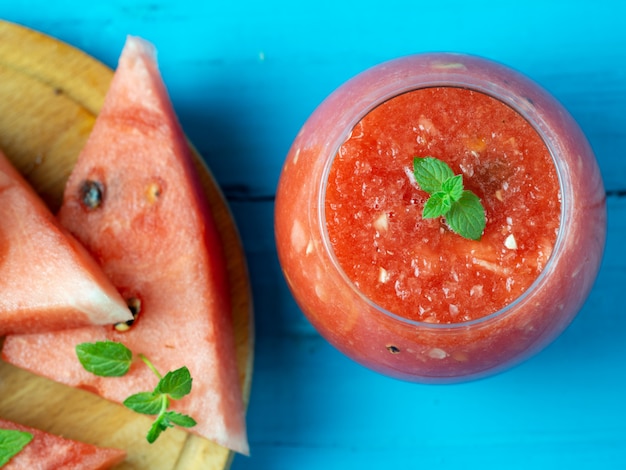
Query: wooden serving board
[50, 94]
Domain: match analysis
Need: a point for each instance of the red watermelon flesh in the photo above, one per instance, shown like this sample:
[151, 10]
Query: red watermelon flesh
[51, 452]
[155, 238]
[48, 281]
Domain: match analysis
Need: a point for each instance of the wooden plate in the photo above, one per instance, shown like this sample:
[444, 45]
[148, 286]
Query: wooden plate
[50, 94]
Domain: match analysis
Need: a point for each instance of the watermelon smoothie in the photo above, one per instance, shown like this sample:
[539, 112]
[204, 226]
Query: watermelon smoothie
[404, 295]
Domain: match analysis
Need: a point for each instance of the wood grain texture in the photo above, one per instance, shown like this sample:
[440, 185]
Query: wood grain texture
[50, 94]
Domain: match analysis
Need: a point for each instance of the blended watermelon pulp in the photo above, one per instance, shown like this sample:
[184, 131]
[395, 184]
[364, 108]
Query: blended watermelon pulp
[405, 296]
[418, 268]
[135, 202]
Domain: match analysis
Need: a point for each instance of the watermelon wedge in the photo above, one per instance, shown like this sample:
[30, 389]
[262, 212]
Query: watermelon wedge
[134, 200]
[47, 279]
[51, 452]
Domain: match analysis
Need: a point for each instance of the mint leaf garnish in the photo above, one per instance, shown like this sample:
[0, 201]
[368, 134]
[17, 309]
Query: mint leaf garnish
[12, 442]
[180, 419]
[437, 205]
[111, 359]
[105, 358]
[158, 426]
[431, 173]
[467, 216]
[461, 208]
[176, 384]
[168, 420]
[147, 403]
[453, 187]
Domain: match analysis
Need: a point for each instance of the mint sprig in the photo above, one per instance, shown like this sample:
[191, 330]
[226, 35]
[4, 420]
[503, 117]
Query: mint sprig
[112, 359]
[460, 207]
[173, 386]
[12, 442]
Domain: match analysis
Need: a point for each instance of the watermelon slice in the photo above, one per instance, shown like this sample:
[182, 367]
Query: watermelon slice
[47, 279]
[51, 452]
[135, 201]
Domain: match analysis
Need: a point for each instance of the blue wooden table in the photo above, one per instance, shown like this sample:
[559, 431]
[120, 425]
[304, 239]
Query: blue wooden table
[244, 76]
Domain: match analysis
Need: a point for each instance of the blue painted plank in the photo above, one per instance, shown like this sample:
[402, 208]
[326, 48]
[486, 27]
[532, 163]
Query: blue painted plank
[245, 75]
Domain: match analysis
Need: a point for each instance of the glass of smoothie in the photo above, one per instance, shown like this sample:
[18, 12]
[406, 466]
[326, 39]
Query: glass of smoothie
[410, 296]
